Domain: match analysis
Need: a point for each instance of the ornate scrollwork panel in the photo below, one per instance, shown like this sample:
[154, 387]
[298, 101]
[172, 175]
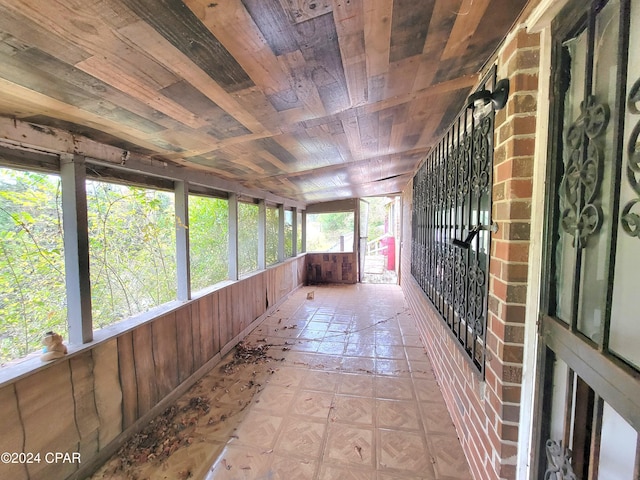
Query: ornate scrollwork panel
[630, 218]
[558, 462]
[581, 216]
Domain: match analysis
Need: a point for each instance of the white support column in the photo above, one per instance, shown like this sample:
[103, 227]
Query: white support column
[76, 248]
[304, 231]
[182, 240]
[262, 235]
[281, 233]
[294, 233]
[233, 236]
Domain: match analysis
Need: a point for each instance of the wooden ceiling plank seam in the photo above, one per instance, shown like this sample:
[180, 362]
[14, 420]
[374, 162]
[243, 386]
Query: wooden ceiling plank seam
[409, 28]
[468, 19]
[160, 49]
[377, 34]
[300, 11]
[304, 88]
[24, 29]
[100, 68]
[74, 114]
[352, 132]
[230, 22]
[173, 20]
[349, 19]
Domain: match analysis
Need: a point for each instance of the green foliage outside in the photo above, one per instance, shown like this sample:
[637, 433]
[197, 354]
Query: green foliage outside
[272, 235]
[131, 246]
[132, 250]
[32, 288]
[288, 233]
[325, 229]
[247, 238]
[208, 241]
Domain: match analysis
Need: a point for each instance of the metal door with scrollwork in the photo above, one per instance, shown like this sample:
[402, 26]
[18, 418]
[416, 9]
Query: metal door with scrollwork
[590, 320]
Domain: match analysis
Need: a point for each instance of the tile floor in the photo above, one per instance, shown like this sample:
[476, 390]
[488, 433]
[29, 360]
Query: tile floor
[355, 397]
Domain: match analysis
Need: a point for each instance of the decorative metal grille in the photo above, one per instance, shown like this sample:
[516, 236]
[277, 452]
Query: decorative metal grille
[631, 213]
[450, 236]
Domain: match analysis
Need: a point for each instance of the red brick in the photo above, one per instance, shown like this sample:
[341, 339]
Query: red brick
[511, 413]
[522, 146]
[523, 60]
[497, 327]
[512, 353]
[513, 313]
[511, 251]
[515, 210]
[514, 334]
[514, 272]
[521, 103]
[517, 126]
[498, 288]
[499, 191]
[513, 168]
[510, 393]
[515, 230]
[524, 82]
[519, 188]
[507, 432]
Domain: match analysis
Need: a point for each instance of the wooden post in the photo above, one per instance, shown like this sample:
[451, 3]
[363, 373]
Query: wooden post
[281, 233]
[294, 232]
[182, 240]
[76, 248]
[233, 236]
[304, 231]
[262, 235]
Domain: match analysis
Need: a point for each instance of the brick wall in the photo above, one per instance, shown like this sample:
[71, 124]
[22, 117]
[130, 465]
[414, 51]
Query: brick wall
[486, 413]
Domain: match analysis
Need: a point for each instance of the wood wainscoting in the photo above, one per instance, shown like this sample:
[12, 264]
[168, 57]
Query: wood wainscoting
[95, 398]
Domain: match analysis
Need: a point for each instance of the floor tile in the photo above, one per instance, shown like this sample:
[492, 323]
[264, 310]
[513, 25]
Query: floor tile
[301, 438]
[405, 451]
[350, 445]
[394, 388]
[288, 468]
[313, 404]
[397, 414]
[449, 460]
[329, 472]
[354, 398]
[357, 410]
[398, 368]
[361, 385]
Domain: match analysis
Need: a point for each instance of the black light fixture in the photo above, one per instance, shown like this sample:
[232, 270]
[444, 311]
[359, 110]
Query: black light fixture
[466, 243]
[497, 98]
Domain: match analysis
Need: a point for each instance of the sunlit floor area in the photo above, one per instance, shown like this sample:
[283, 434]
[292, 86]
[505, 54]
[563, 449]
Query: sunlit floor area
[375, 270]
[333, 385]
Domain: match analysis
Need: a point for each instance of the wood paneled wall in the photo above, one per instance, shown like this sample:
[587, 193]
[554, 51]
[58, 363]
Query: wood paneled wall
[332, 268]
[86, 401]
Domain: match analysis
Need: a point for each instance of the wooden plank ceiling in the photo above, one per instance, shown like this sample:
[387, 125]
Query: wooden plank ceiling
[310, 99]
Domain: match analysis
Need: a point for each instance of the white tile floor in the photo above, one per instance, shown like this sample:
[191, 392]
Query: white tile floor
[348, 393]
[355, 397]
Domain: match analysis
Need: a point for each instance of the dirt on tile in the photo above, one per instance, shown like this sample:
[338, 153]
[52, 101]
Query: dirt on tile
[208, 412]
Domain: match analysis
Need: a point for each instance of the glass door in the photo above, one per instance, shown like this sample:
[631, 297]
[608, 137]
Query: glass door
[590, 325]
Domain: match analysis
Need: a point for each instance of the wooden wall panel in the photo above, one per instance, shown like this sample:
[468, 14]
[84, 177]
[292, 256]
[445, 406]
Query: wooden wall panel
[47, 409]
[108, 391]
[198, 361]
[86, 413]
[165, 354]
[205, 305]
[331, 268]
[184, 338]
[145, 369]
[127, 366]
[11, 433]
[223, 328]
